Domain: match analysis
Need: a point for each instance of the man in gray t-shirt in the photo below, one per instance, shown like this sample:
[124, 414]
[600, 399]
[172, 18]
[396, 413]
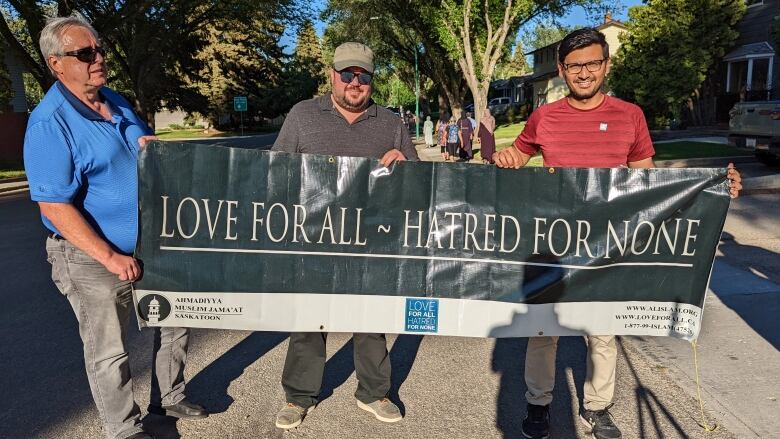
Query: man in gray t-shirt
[345, 122]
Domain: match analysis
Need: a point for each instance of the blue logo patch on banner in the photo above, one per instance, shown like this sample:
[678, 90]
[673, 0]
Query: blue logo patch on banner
[422, 315]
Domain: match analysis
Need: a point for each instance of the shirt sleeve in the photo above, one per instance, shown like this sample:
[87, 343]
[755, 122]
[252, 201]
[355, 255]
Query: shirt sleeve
[287, 140]
[404, 144]
[642, 147]
[526, 141]
[51, 170]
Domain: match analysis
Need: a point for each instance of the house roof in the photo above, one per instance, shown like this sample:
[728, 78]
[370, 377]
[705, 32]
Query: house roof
[512, 81]
[750, 50]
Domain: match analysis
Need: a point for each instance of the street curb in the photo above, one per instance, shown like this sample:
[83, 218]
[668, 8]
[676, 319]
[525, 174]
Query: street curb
[13, 180]
[715, 162]
[13, 191]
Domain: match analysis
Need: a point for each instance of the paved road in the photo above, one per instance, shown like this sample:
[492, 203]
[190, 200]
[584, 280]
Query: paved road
[450, 387]
[254, 141]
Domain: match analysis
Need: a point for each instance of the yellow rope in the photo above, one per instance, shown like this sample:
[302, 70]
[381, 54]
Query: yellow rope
[704, 424]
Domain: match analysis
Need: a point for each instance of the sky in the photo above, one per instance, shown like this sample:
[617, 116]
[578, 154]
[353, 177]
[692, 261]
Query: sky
[575, 18]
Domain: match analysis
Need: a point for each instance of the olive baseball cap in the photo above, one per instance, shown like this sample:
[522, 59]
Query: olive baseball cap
[353, 55]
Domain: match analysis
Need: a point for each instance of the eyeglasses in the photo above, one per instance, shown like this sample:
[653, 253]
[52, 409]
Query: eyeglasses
[592, 66]
[87, 54]
[363, 77]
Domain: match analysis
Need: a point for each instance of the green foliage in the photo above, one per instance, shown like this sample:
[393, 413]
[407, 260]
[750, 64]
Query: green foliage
[6, 93]
[164, 52]
[543, 34]
[515, 66]
[391, 91]
[671, 47]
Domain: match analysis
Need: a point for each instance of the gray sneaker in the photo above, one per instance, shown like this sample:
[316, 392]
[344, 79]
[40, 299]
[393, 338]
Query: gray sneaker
[291, 416]
[383, 409]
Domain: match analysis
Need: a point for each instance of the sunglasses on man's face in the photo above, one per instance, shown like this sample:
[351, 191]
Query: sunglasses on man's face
[363, 77]
[87, 54]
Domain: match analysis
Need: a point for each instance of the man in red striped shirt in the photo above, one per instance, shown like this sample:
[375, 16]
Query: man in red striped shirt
[586, 129]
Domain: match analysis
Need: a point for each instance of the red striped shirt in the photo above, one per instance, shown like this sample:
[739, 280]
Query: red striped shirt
[608, 136]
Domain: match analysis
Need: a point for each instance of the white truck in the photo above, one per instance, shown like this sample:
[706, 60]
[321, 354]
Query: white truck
[755, 126]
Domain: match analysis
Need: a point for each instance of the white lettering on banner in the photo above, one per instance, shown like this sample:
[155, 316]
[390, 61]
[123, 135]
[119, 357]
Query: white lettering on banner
[468, 232]
[230, 220]
[517, 235]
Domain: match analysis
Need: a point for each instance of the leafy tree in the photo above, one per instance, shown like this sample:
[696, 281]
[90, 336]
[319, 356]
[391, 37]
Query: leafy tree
[669, 50]
[391, 91]
[476, 37]
[307, 71]
[543, 34]
[6, 94]
[397, 30]
[152, 44]
[514, 66]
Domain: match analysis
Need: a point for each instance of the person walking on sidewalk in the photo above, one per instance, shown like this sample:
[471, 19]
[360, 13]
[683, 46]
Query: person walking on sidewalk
[80, 155]
[428, 131]
[487, 140]
[465, 136]
[600, 132]
[453, 140]
[441, 135]
[345, 122]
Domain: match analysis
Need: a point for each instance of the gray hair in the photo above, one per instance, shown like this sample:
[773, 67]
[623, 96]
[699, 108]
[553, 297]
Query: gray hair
[51, 35]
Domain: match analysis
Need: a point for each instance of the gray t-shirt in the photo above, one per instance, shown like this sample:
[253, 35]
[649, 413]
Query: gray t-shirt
[314, 126]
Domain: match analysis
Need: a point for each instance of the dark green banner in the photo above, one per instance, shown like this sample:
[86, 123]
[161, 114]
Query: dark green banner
[217, 219]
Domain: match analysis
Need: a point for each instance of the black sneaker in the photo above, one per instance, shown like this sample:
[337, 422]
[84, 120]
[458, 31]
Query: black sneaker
[600, 423]
[536, 424]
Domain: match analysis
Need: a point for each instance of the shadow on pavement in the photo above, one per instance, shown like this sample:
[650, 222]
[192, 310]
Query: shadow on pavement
[650, 406]
[209, 387]
[402, 357]
[338, 368]
[758, 310]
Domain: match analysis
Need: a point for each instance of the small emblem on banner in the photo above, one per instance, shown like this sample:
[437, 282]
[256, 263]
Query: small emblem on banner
[154, 308]
[603, 126]
[422, 315]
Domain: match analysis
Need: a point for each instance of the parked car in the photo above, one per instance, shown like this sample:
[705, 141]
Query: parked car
[755, 126]
[499, 105]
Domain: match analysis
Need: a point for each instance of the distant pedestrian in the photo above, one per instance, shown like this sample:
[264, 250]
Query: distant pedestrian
[428, 131]
[466, 135]
[441, 135]
[473, 121]
[453, 140]
[81, 153]
[487, 139]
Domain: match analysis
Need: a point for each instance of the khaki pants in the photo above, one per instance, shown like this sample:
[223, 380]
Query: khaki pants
[599, 386]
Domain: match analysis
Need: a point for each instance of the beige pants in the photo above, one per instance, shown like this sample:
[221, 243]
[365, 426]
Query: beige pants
[600, 371]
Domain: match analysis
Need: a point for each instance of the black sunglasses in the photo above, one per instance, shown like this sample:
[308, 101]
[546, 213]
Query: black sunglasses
[363, 77]
[87, 54]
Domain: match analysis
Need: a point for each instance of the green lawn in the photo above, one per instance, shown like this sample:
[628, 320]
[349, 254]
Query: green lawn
[11, 173]
[509, 131]
[687, 150]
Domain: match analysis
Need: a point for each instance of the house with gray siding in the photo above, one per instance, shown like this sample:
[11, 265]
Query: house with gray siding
[749, 70]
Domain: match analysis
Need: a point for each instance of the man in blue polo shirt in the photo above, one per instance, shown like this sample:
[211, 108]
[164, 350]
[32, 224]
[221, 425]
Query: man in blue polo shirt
[80, 154]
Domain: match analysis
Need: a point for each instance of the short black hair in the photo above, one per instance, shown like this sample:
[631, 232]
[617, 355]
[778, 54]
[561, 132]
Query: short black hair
[580, 38]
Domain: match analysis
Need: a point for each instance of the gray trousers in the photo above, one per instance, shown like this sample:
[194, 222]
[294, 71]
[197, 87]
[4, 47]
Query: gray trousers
[102, 304]
[305, 365]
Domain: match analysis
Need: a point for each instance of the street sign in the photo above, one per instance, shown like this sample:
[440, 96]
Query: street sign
[239, 103]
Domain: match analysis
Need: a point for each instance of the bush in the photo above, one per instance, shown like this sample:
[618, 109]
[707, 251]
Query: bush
[175, 126]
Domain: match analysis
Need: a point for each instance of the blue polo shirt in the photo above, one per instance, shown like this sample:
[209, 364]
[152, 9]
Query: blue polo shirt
[73, 155]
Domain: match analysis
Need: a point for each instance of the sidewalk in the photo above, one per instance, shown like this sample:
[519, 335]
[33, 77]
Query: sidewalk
[13, 186]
